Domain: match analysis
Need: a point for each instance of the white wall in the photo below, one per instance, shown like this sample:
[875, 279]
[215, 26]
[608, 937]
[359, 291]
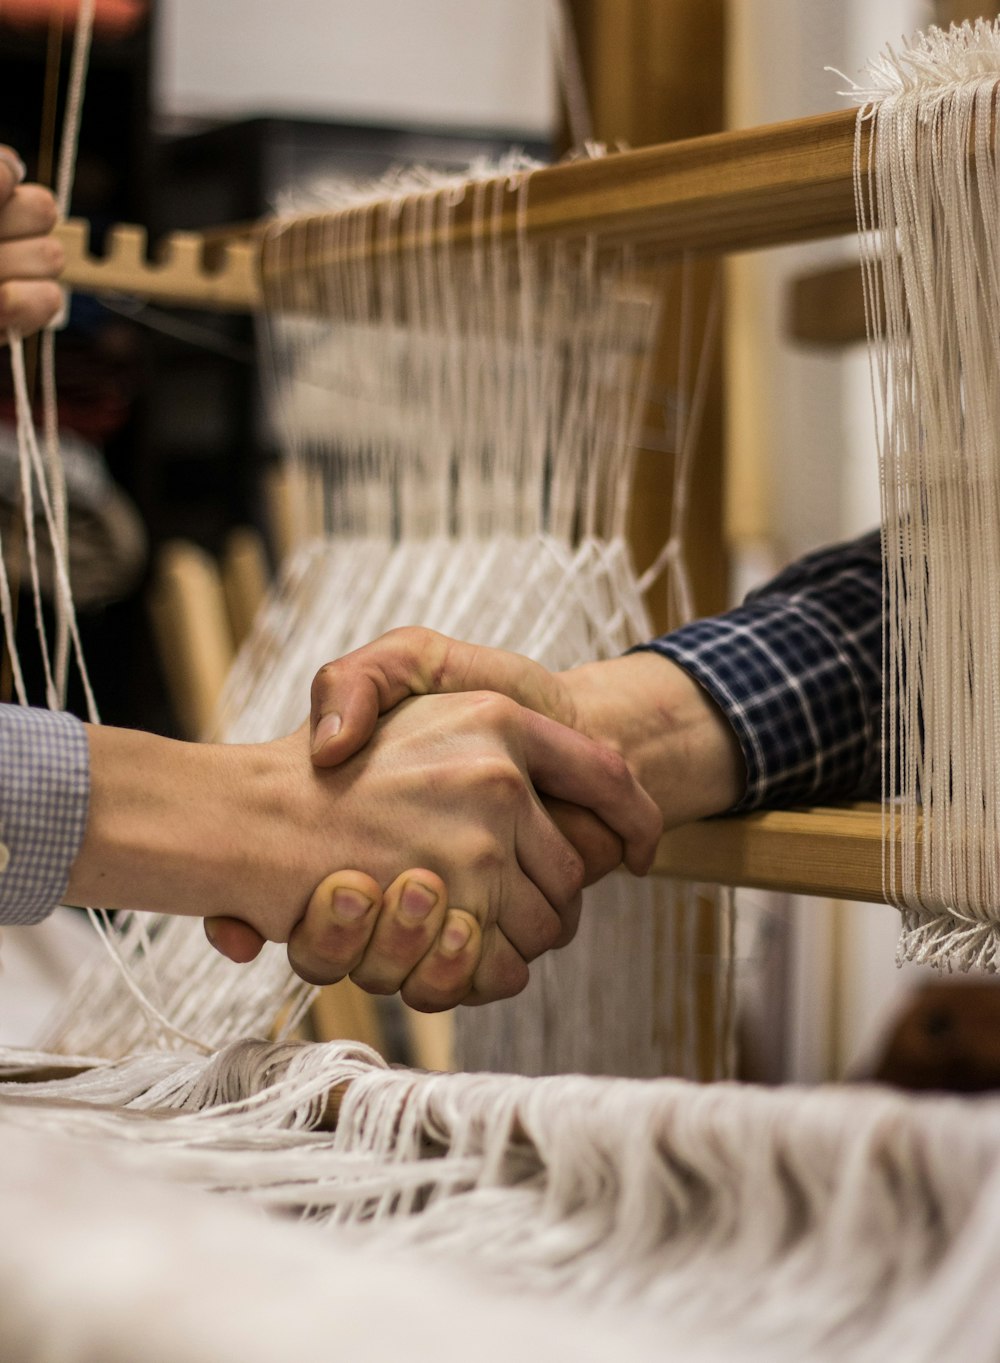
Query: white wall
[804, 471]
[461, 63]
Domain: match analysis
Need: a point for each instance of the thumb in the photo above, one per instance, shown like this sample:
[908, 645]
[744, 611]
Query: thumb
[349, 695]
[233, 938]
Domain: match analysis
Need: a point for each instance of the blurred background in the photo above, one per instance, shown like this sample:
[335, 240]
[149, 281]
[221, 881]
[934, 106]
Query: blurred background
[201, 113]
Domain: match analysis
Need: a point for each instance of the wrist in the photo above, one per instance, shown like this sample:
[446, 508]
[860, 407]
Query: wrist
[677, 742]
[187, 828]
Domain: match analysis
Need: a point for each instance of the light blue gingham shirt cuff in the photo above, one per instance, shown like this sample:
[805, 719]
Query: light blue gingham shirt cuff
[44, 790]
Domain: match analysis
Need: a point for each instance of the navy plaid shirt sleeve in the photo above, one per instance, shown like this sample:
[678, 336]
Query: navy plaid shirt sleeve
[44, 791]
[797, 671]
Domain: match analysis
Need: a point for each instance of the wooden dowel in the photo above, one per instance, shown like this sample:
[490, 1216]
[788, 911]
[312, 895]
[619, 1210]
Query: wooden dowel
[727, 192]
[191, 626]
[730, 191]
[829, 852]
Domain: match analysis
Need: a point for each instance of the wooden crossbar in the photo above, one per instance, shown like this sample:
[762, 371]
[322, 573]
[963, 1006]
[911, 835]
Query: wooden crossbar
[828, 852]
[731, 191]
[190, 269]
[835, 852]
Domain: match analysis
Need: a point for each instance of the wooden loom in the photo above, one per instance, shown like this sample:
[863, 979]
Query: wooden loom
[732, 191]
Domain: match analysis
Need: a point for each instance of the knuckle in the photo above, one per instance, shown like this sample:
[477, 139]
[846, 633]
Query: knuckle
[424, 999]
[548, 934]
[42, 206]
[616, 768]
[501, 981]
[496, 773]
[401, 652]
[410, 638]
[492, 709]
[569, 928]
[373, 981]
[54, 255]
[574, 874]
[483, 853]
[51, 297]
[313, 971]
[324, 678]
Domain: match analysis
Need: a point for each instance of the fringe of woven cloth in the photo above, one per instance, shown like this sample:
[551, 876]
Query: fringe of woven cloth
[779, 1224]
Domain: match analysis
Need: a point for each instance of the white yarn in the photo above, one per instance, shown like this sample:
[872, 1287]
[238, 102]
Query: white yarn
[934, 272]
[864, 1211]
[466, 422]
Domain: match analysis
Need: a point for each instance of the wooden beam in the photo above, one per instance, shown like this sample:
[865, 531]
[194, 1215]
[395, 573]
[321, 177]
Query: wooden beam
[726, 192]
[187, 269]
[730, 191]
[955, 11]
[828, 852]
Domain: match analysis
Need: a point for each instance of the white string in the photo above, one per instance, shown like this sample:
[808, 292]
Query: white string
[932, 284]
[465, 423]
[736, 1222]
[31, 465]
[58, 531]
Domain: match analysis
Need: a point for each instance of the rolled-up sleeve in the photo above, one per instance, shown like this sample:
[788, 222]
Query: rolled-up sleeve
[797, 671]
[44, 789]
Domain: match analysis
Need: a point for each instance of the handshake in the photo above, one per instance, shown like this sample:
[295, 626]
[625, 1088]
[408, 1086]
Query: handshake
[477, 792]
[478, 813]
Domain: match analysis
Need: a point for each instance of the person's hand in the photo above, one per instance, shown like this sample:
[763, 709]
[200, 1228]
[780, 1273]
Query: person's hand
[446, 782]
[450, 783]
[643, 706]
[406, 940]
[31, 259]
[672, 735]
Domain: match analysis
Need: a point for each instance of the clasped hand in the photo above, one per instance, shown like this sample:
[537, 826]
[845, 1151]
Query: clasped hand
[501, 810]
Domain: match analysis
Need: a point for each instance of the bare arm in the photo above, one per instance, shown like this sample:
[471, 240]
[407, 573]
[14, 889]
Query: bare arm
[446, 783]
[675, 740]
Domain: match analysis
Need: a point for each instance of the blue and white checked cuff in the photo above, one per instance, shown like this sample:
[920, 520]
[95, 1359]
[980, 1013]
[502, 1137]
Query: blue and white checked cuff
[797, 671]
[44, 790]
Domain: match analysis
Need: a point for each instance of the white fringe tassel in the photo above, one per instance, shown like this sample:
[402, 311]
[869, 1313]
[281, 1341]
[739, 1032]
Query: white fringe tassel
[733, 1222]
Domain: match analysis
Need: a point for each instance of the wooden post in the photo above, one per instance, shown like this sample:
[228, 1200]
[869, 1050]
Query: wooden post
[955, 11]
[654, 72]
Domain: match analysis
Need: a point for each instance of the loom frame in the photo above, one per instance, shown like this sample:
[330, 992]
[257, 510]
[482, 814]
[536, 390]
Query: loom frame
[733, 191]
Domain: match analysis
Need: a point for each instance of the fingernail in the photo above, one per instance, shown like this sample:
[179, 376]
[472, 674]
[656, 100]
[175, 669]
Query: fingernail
[17, 166]
[416, 901]
[350, 905]
[328, 727]
[456, 936]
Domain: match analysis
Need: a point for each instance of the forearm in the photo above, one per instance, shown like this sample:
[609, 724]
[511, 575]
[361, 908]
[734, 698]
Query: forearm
[185, 828]
[675, 739]
[797, 672]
